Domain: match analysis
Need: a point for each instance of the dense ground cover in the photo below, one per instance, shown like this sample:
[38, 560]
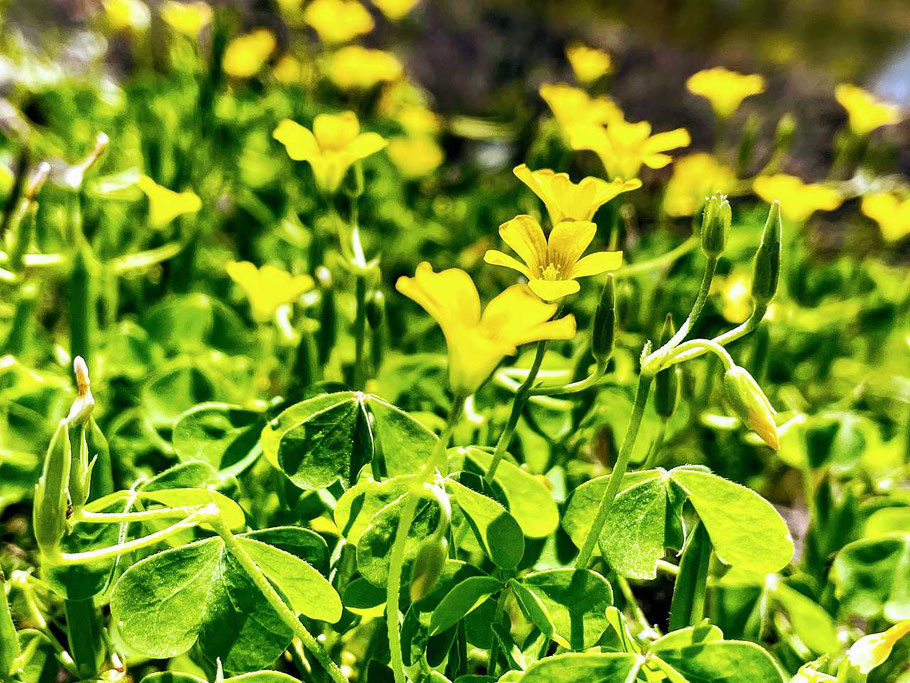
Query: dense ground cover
[302, 380]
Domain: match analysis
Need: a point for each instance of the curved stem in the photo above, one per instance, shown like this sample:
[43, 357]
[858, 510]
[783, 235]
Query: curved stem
[658, 262]
[704, 345]
[741, 330]
[86, 517]
[572, 387]
[619, 470]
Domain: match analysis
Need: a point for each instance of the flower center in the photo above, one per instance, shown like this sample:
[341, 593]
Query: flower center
[550, 271]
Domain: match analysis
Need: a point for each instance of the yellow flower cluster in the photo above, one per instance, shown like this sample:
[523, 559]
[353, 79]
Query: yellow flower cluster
[358, 68]
[573, 106]
[725, 89]
[267, 288]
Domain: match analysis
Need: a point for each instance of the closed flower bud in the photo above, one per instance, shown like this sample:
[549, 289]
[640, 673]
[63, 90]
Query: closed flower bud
[715, 226]
[750, 404]
[603, 333]
[783, 135]
[766, 271]
[376, 310]
[49, 510]
[428, 565]
[666, 382]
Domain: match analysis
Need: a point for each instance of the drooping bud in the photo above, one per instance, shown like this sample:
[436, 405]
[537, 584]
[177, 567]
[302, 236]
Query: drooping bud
[82, 407]
[766, 271]
[666, 382]
[715, 225]
[49, 510]
[603, 332]
[428, 565]
[751, 405]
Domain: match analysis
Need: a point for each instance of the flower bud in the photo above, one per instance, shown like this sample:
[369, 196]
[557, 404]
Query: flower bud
[715, 225]
[82, 407]
[750, 404]
[766, 271]
[49, 510]
[603, 332]
[428, 565]
[783, 134]
[666, 382]
[376, 310]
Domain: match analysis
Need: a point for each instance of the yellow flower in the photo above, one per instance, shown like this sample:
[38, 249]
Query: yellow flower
[798, 200]
[553, 265]
[333, 145]
[623, 147]
[417, 119]
[573, 106]
[164, 204]
[891, 214]
[566, 200]
[695, 177]
[268, 287]
[736, 295]
[478, 343]
[124, 15]
[246, 54]
[865, 112]
[725, 89]
[415, 157]
[356, 67]
[588, 63]
[290, 70]
[873, 650]
[338, 21]
[187, 18]
[395, 9]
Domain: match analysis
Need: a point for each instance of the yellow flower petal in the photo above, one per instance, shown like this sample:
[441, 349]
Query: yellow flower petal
[798, 200]
[725, 89]
[597, 263]
[525, 236]
[359, 68]
[588, 64]
[864, 111]
[497, 258]
[300, 142]
[449, 296]
[366, 144]
[245, 55]
[187, 18]
[551, 290]
[395, 9]
[518, 317]
[568, 241]
[335, 131]
[662, 142]
[891, 214]
[338, 21]
[268, 287]
[165, 205]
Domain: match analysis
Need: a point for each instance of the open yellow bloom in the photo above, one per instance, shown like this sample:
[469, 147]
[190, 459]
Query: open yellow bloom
[415, 157]
[127, 15]
[355, 67]
[478, 343]
[187, 18]
[724, 89]
[623, 147]
[695, 177]
[291, 71]
[246, 54]
[588, 63]
[891, 214]
[865, 112]
[338, 21]
[570, 201]
[798, 200]
[573, 106]
[395, 9]
[333, 145]
[552, 265]
[268, 287]
[874, 650]
[416, 119]
[164, 204]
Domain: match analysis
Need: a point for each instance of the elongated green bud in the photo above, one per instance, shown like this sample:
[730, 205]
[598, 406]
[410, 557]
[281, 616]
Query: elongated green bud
[9, 640]
[428, 565]
[715, 225]
[603, 332]
[751, 405]
[783, 134]
[327, 323]
[49, 511]
[102, 475]
[79, 415]
[666, 382]
[376, 318]
[766, 271]
[376, 309]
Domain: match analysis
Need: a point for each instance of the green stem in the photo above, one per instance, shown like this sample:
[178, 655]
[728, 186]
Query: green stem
[518, 404]
[741, 330]
[83, 626]
[632, 602]
[360, 326]
[9, 640]
[688, 604]
[497, 617]
[274, 599]
[619, 470]
[658, 262]
[88, 517]
[573, 387]
[704, 346]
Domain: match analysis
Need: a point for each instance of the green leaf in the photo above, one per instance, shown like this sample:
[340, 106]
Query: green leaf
[403, 444]
[576, 667]
[498, 532]
[576, 601]
[809, 620]
[536, 611]
[231, 513]
[174, 390]
[632, 539]
[687, 607]
[730, 661]
[755, 538]
[357, 507]
[461, 601]
[872, 577]
[527, 496]
[218, 433]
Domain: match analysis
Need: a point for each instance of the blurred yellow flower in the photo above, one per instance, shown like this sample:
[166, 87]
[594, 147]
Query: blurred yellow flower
[333, 145]
[873, 650]
[573, 106]
[268, 287]
[890, 212]
[416, 119]
[356, 67]
[623, 147]
[127, 15]
[187, 18]
[566, 200]
[865, 112]
[798, 200]
[478, 343]
[290, 70]
[395, 9]
[553, 265]
[338, 21]
[725, 89]
[588, 63]
[695, 177]
[415, 157]
[246, 54]
[164, 204]
[736, 295]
